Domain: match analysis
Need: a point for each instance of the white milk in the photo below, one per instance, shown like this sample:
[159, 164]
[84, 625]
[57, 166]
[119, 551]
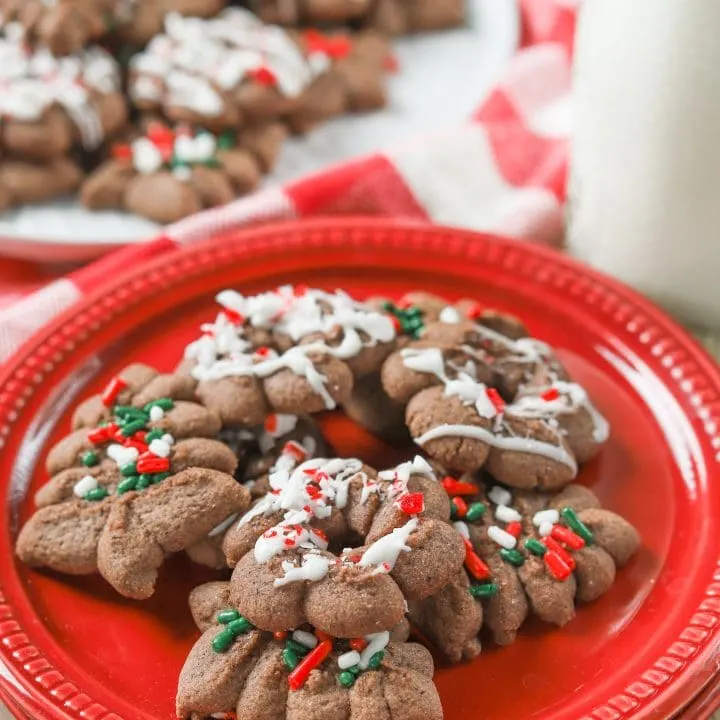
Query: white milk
[645, 181]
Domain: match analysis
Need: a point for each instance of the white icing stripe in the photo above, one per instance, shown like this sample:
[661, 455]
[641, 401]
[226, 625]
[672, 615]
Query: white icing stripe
[385, 551]
[528, 445]
[223, 526]
[376, 643]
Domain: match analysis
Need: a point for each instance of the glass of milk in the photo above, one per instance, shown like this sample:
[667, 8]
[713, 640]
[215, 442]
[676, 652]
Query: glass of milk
[645, 174]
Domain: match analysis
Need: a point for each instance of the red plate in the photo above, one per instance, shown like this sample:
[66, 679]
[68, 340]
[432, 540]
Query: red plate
[71, 648]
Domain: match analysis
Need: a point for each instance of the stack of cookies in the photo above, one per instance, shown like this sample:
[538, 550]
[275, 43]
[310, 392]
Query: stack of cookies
[166, 107]
[327, 563]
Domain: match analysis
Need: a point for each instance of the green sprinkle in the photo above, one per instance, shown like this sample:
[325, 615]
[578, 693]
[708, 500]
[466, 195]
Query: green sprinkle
[346, 679]
[453, 511]
[159, 477]
[226, 141]
[154, 434]
[134, 426]
[577, 525]
[484, 590]
[125, 412]
[239, 626]
[355, 670]
[143, 482]
[227, 616]
[99, 493]
[290, 658]
[129, 483]
[535, 547]
[297, 647]
[211, 163]
[222, 641]
[164, 403]
[89, 458]
[128, 470]
[512, 556]
[376, 660]
[475, 511]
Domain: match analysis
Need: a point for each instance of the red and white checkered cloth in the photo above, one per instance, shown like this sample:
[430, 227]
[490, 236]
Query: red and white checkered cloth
[503, 171]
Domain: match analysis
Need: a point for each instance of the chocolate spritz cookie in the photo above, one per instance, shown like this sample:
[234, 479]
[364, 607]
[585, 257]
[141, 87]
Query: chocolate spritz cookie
[233, 71]
[296, 554]
[395, 17]
[527, 553]
[290, 351]
[236, 670]
[479, 393]
[140, 477]
[50, 105]
[66, 26]
[166, 173]
[282, 442]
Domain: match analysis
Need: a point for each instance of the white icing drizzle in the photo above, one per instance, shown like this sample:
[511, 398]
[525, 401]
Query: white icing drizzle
[571, 397]
[383, 553]
[32, 82]
[281, 538]
[224, 351]
[197, 60]
[471, 392]
[312, 568]
[502, 442]
[395, 482]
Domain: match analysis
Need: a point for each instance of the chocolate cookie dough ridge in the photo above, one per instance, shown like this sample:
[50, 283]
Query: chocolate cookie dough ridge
[225, 350]
[117, 489]
[194, 54]
[34, 81]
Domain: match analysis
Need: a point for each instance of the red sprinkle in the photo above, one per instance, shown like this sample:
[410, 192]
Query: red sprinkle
[153, 464]
[160, 134]
[567, 536]
[263, 76]
[98, 435]
[300, 290]
[413, 504]
[557, 566]
[455, 487]
[495, 399]
[281, 635]
[234, 316]
[474, 311]
[322, 636]
[121, 151]
[396, 324]
[112, 390]
[403, 303]
[474, 563]
[460, 506]
[314, 659]
[554, 547]
[514, 528]
[358, 644]
[551, 394]
[271, 423]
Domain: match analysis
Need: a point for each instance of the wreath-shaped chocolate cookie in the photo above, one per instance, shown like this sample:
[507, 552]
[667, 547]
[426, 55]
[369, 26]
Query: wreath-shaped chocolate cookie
[286, 573]
[479, 393]
[528, 553]
[139, 478]
[236, 670]
[290, 351]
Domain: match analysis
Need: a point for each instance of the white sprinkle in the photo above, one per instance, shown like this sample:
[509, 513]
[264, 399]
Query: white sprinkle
[348, 660]
[156, 413]
[223, 526]
[500, 496]
[159, 448]
[122, 455]
[507, 514]
[462, 528]
[449, 315]
[545, 529]
[168, 438]
[376, 643]
[305, 638]
[84, 485]
[546, 516]
[502, 538]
